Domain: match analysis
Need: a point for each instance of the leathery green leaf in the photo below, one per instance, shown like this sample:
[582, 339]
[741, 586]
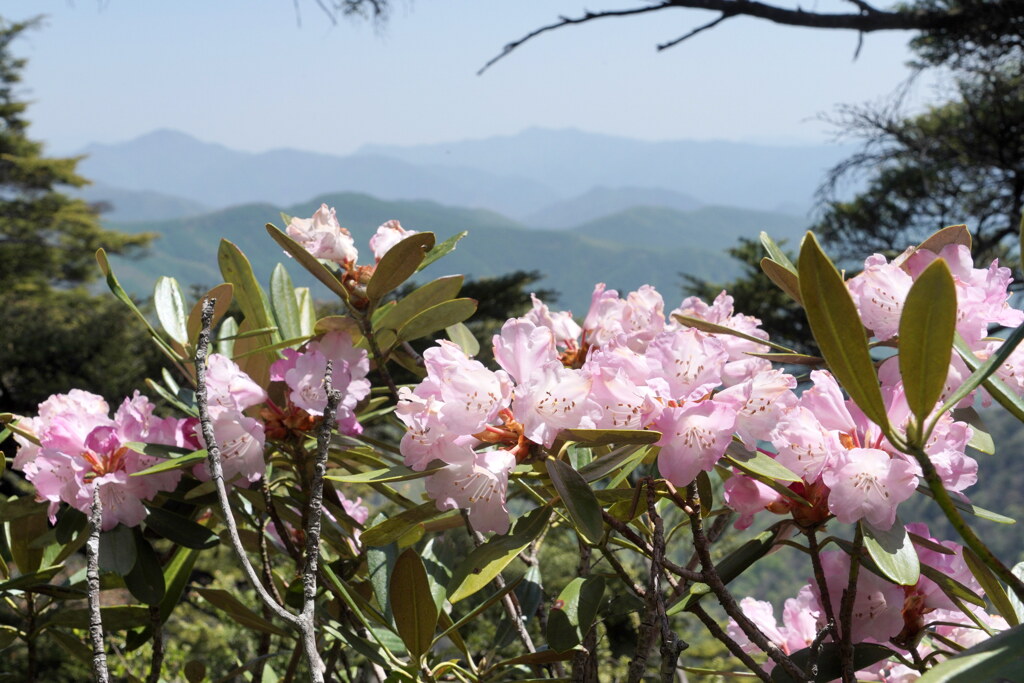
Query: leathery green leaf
[309, 262]
[461, 335]
[995, 659]
[122, 296]
[433, 293]
[607, 437]
[829, 664]
[170, 309]
[784, 278]
[992, 587]
[222, 294]
[838, 330]
[284, 303]
[758, 463]
[486, 561]
[237, 270]
[437, 318]
[953, 234]
[411, 603]
[927, 326]
[574, 612]
[230, 605]
[578, 498]
[982, 373]
[442, 249]
[775, 252]
[393, 528]
[893, 552]
[398, 264]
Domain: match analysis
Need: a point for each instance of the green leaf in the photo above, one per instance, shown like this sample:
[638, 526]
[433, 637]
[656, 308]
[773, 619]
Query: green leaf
[230, 605]
[309, 262]
[117, 550]
[180, 530]
[176, 577]
[222, 294]
[412, 604]
[578, 498]
[379, 565]
[574, 612]
[115, 618]
[442, 249]
[486, 561]
[775, 252]
[73, 645]
[381, 476]
[990, 584]
[32, 579]
[390, 530]
[759, 464]
[431, 294]
[8, 634]
[608, 437]
[461, 335]
[600, 468]
[784, 278]
[713, 328]
[995, 659]
[530, 594]
[145, 581]
[400, 262]
[829, 663]
[483, 607]
[170, 309]
[927, 326]
[953, 234]
[284, 303]
[735, 563]
[982, 374]
[838, 330]
[971, 509]
[951, 587]
[122, 296]
[237, 270]
[173, 463]
[437, 318]
[24, 530]
[893, 552]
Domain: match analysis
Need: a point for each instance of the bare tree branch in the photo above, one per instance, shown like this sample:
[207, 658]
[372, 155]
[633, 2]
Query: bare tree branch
[866, 20]
[691, 34]
[92, 576]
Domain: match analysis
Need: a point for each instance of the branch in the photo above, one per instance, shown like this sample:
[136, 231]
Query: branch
[868, 19]
[699, 29]
[846, 610]
[301, 623]
[92, 575]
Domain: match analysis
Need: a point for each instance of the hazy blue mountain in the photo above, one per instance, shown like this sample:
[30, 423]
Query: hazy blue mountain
[709, 227]
[495, 245]
[138, 205]
[603, 201]
[177, 164]
[571, 162]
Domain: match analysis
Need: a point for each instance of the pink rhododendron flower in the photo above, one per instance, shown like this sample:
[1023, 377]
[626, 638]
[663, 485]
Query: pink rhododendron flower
[868, 483]
[686, 362]
[323, 237]
[879, 292]
[553, 400]
[800, 616]
[523, 347]
[694, 437]
[877, 607]
[241, 440]
[388, 235]
[748, 497]
[561, 324]
[81, 447]
[228, 388]
[478, 485]
[304, 372]
[763, 398]
[471, 394]
[740, 365]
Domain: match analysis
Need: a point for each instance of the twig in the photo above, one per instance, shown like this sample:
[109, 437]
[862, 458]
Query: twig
[699, 29]
[511, 604]
[717, 586]
[156, 663]
[819, 576]
[971, 539]
[716, 631]
[819, 640]
[671, 645]
[314, 516]
[639, 542]
[92, 576]
[217, 476]
[846, 610]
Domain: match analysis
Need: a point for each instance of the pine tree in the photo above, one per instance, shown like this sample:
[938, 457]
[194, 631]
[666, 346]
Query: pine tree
[53, 333]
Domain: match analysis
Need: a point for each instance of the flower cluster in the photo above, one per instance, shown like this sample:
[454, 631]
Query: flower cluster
[883, 612]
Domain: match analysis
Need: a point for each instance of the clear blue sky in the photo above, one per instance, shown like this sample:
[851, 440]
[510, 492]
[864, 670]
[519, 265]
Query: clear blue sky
[244, 73]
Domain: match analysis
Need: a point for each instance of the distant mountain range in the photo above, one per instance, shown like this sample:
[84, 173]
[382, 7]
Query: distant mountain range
[542, 178]
[580, 208]
[572, 260]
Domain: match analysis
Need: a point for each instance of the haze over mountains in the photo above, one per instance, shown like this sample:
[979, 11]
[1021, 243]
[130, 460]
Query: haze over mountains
[577, 206]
